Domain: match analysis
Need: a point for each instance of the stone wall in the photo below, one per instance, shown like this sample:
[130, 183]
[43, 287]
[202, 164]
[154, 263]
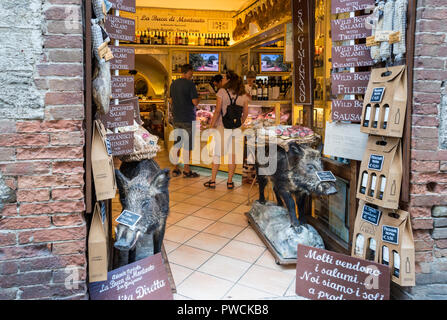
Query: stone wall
[42, 227]
[428, 206]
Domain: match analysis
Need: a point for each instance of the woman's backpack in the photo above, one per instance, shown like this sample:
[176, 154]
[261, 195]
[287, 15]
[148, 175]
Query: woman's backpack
[233, 117]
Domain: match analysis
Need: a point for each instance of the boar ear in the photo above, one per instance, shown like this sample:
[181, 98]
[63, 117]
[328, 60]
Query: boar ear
[121, 180]
[295, 152]
[160, 182]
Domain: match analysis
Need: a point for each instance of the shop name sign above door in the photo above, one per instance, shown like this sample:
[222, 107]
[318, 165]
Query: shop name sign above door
[145, 279]
[347, 110]
[350, 82]
[302, 52]
[122, 87]
[327, 275]
[120, 28]
[358, 55]
[124, 5]
[340, 6]
[123, 58]
[349, 29]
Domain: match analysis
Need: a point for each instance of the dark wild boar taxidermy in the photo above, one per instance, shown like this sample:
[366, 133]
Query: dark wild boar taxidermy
[296, 176]
[143, 189]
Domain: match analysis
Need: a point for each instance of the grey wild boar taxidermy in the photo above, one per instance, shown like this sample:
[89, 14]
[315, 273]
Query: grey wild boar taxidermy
[143, 189]
[296, 176]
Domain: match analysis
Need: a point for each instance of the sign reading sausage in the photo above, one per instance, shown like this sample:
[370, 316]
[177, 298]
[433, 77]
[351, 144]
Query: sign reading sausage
[347, 110]
[123, 58]
[358, 55]
[340, 6]
[327, 275]
[350, 82]
[120, 28]
[349, 29]
[122, 87]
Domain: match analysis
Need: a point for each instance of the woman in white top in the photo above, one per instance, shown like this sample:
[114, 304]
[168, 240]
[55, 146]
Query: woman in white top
[233, 88]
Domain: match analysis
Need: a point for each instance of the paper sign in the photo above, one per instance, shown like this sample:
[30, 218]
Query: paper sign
[375, 162]
[377, 94]
[390, 234]
[349, 29]
[120, 28]
[121, 143]
[383, 35]
[394, 37]
[371, 214]
[371, 41]
[358, 55]
[128, 218]
[325, 176]
[122, 87]
[327, 275]
[345, 140]
[347, 110]
[145, 279]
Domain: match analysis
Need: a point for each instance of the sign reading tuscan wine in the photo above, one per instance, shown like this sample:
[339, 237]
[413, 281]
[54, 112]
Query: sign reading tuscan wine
[302, 52]
[120, 28]
[358, 55]
[349, 29]
[145, 279]
[340, 6]
[350, 82]
[123, 58]
[124, 5]
[327, 275]
[122, 87]
[347, 110]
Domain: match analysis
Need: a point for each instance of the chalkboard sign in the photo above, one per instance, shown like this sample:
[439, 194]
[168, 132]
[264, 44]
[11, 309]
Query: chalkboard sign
[371, 214]
[377, 94]
[375, 162]
[145, 279]
[325, 176]
[128, 218]
[327, 275]
[390, 234]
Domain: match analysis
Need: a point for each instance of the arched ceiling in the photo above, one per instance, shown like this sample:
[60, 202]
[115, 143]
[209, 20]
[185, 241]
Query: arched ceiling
[225, 5]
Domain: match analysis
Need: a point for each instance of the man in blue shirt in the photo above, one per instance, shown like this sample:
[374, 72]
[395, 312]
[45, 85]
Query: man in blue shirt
[184, 99]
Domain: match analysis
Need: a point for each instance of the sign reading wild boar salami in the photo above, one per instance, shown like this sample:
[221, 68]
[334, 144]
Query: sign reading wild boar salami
[349, 29]
[347, 110]
[124, 5]
[121, 143]
[340, 6]
[358, 55]
[350, 82]
[120, 115]
[145, 279]
[327, 275]
[302, 52]
[122, 87]
[120, 28]
[123, 58]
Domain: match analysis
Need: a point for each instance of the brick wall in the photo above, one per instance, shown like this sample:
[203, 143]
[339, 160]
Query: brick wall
[428, 206]
[42, 227]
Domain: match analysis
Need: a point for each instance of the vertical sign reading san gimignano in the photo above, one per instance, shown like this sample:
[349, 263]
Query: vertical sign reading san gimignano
[302, 52]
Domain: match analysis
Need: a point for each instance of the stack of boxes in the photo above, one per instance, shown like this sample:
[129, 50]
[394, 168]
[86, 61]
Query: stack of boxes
[382, 232]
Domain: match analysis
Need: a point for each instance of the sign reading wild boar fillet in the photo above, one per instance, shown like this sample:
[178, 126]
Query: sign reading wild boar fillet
[350, 82]
[302, 52]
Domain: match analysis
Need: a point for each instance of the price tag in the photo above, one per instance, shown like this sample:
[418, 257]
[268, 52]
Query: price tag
[383, 35]
[371, 41]
[102, 50]
[390, 234]
[377, 94]
[375, 162]
[109, 55]
[128, 218]
[394, 37]
[325, 176]
[371, 215]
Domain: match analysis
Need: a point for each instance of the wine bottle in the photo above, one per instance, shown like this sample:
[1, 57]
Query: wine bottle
[186, 39]
[359, 243]
[259, 93]
[373, 184]
[265, 91]
[364, 182]
[376, 115]
[385, 255]
[254, 90]
[372, 250]
[382, 186]
[385, 118]
[137, 37]
[367, 116]
[396, 258]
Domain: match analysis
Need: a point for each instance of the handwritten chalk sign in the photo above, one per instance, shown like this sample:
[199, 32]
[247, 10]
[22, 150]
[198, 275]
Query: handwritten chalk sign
[349, 29]
[347, 83]
[123, 58]
[120, 115]
[375, 162]
[340, 6]
[121, 143]
[390, 234]
[347, 110]
[124, 5]
[120, 28]
[144, 279]
[325, 176]
[122, 87]
[128, 218]
[371, 214]
[358, 55]
[327, 275]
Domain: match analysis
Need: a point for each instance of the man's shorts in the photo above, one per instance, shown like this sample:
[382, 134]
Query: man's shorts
[186, 137]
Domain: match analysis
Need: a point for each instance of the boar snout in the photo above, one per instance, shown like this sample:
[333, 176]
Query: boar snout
[126, 239]
[326, 188]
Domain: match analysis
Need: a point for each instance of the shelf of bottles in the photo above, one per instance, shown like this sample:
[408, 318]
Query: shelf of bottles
[271, 89]
[168, 38]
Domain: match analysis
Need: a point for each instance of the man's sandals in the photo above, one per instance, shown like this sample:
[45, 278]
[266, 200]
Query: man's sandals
[176, 172]
[190, 174]
[210, 184]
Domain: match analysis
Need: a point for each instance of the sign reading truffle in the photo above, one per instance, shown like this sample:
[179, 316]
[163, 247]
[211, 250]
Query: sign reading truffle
[349, 29]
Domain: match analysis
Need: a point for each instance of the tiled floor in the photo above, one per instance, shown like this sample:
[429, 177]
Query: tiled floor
[212, 251]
